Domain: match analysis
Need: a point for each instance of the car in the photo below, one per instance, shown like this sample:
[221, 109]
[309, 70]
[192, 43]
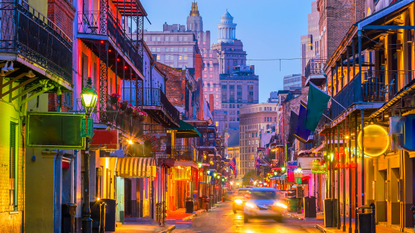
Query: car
[264, 203]
[227, 196]
[239, 199]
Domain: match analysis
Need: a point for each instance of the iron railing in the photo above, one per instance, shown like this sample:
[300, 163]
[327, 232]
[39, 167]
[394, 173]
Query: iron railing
[314, 67]
[186, 153]
[27, 32]
[156, 97]
[376, 86]
[105, 24]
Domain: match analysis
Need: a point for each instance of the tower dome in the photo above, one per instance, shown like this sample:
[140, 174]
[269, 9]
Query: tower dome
[227, 29]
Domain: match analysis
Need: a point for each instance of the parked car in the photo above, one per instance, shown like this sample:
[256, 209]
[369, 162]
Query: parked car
[239, 199]
[264, 203]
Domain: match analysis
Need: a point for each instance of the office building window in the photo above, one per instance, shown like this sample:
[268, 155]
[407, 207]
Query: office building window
[158, 38]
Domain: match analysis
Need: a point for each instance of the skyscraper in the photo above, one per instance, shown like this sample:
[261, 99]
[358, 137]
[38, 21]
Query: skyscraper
[310, 43]
[238, 82]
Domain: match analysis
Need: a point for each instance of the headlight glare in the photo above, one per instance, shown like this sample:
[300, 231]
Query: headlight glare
[279, 204]
[249, 205]
[238, 201]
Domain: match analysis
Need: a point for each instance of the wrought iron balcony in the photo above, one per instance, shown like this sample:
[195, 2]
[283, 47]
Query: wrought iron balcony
[103, 23]
[28, 33]
[376, 86]
[153, 99]
[184, 153]
[314, 71]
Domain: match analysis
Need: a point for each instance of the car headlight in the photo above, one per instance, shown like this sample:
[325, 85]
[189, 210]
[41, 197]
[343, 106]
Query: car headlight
[238, 201]
[279, 204]
[249, 205]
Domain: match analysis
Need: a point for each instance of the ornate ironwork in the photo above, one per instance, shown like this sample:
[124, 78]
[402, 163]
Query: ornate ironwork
[27, 32]
[184, 153]
[104, 23]
[103, 75]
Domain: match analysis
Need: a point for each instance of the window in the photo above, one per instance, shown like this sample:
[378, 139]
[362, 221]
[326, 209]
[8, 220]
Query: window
[167, 57]
[153, 38]
[166, 38]
[180, 49]
[12, 167]
[171, 49]
[145, 38]
[171, 38]
[158, 38]
[158, 49]
[185, 38]
[158, 57]
[180, 57]
[180, 38]
[185, 57]
[185, 49]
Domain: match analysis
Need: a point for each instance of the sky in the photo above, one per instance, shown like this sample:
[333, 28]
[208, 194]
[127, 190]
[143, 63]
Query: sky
[269, 29]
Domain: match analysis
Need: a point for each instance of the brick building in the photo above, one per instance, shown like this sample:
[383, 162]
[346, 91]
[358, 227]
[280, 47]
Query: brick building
[335, 19]
[252, 119]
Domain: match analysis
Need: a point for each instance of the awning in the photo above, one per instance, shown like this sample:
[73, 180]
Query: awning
[135, 167]
[186, 130]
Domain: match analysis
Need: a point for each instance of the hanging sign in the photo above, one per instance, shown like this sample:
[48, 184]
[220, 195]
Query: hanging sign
[376, 140]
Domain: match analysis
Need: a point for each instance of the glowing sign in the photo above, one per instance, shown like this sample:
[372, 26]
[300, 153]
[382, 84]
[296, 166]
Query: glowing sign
[376, 140]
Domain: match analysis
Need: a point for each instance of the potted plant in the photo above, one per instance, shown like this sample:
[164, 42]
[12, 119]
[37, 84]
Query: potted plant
[114, 97]
[142, 115]
[123, 104]
[130, 108]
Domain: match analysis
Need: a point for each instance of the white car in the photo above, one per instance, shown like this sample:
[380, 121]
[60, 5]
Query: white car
[264, 203]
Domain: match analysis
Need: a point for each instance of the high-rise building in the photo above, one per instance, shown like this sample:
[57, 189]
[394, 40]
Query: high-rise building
[310, 43]
[293, 81]
[253, 118]
[238, 82]
[273, 97]
[238, 89]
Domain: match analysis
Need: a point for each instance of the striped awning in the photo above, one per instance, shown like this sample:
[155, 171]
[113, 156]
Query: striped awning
[135, 167]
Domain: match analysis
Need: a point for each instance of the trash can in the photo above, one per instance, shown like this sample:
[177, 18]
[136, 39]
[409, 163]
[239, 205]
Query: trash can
[207, 202]
[364, 222]
[110, 216]
[328, 212]
[212, 201]
[68, 217]
[96, 212]
[189, 205]
[309, 204]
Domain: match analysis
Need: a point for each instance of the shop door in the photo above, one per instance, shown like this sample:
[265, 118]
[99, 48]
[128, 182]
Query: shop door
[127, 195]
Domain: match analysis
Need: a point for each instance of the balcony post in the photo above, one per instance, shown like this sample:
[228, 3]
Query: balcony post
[341, 67]
[348, 65]
[359, 89]
[354, 58]
[355, 171]
[362, 112]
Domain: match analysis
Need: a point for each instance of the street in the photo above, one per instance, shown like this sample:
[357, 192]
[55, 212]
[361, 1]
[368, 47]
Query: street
[222, 219]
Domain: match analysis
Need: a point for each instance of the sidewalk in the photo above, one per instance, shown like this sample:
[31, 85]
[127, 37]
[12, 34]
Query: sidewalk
[145, 225]
[379, 229]
[319, 216]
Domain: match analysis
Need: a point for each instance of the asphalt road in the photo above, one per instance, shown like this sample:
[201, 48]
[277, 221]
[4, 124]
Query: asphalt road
[222, 219]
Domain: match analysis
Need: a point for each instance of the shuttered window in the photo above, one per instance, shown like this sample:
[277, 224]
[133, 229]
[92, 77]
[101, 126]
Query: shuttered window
[12, 167]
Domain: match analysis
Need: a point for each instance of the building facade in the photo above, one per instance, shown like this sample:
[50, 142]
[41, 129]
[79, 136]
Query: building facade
[310, 43]
[293, 81]
[254, 118]
[238, 89]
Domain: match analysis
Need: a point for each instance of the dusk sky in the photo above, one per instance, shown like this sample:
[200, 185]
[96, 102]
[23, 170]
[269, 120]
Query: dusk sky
[269, 29]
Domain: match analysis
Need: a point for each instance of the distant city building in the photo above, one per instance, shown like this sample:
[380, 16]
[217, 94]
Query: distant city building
[310, 43]
[220, 115]
[253, 118]
[293, 80]
[238, 89]
[233, 148]
[175, 48]
[273, 97]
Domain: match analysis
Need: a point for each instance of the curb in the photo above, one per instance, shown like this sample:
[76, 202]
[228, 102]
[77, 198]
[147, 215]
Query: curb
[193, 215]
[320, 228]
[169, 229]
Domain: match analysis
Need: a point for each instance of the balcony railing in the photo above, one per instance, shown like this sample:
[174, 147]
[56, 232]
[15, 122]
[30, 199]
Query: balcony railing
[186, 153]
[314, 67]
[155, 97]
[105, 24]
[376, 86]
[27, 32]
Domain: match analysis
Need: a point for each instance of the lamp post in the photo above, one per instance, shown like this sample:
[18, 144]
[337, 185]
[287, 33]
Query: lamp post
[89, 100]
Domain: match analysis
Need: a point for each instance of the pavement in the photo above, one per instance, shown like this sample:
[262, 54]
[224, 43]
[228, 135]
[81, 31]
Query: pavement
[379, 229]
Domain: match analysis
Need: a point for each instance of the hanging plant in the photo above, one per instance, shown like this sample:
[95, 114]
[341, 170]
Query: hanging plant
[123, 104]
[129, 109]
[114, 97]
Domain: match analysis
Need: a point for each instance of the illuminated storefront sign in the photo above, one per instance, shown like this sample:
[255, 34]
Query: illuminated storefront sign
[376, 140]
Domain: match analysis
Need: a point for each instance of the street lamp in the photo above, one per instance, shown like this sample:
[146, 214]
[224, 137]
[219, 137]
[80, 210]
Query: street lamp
[89, 101]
